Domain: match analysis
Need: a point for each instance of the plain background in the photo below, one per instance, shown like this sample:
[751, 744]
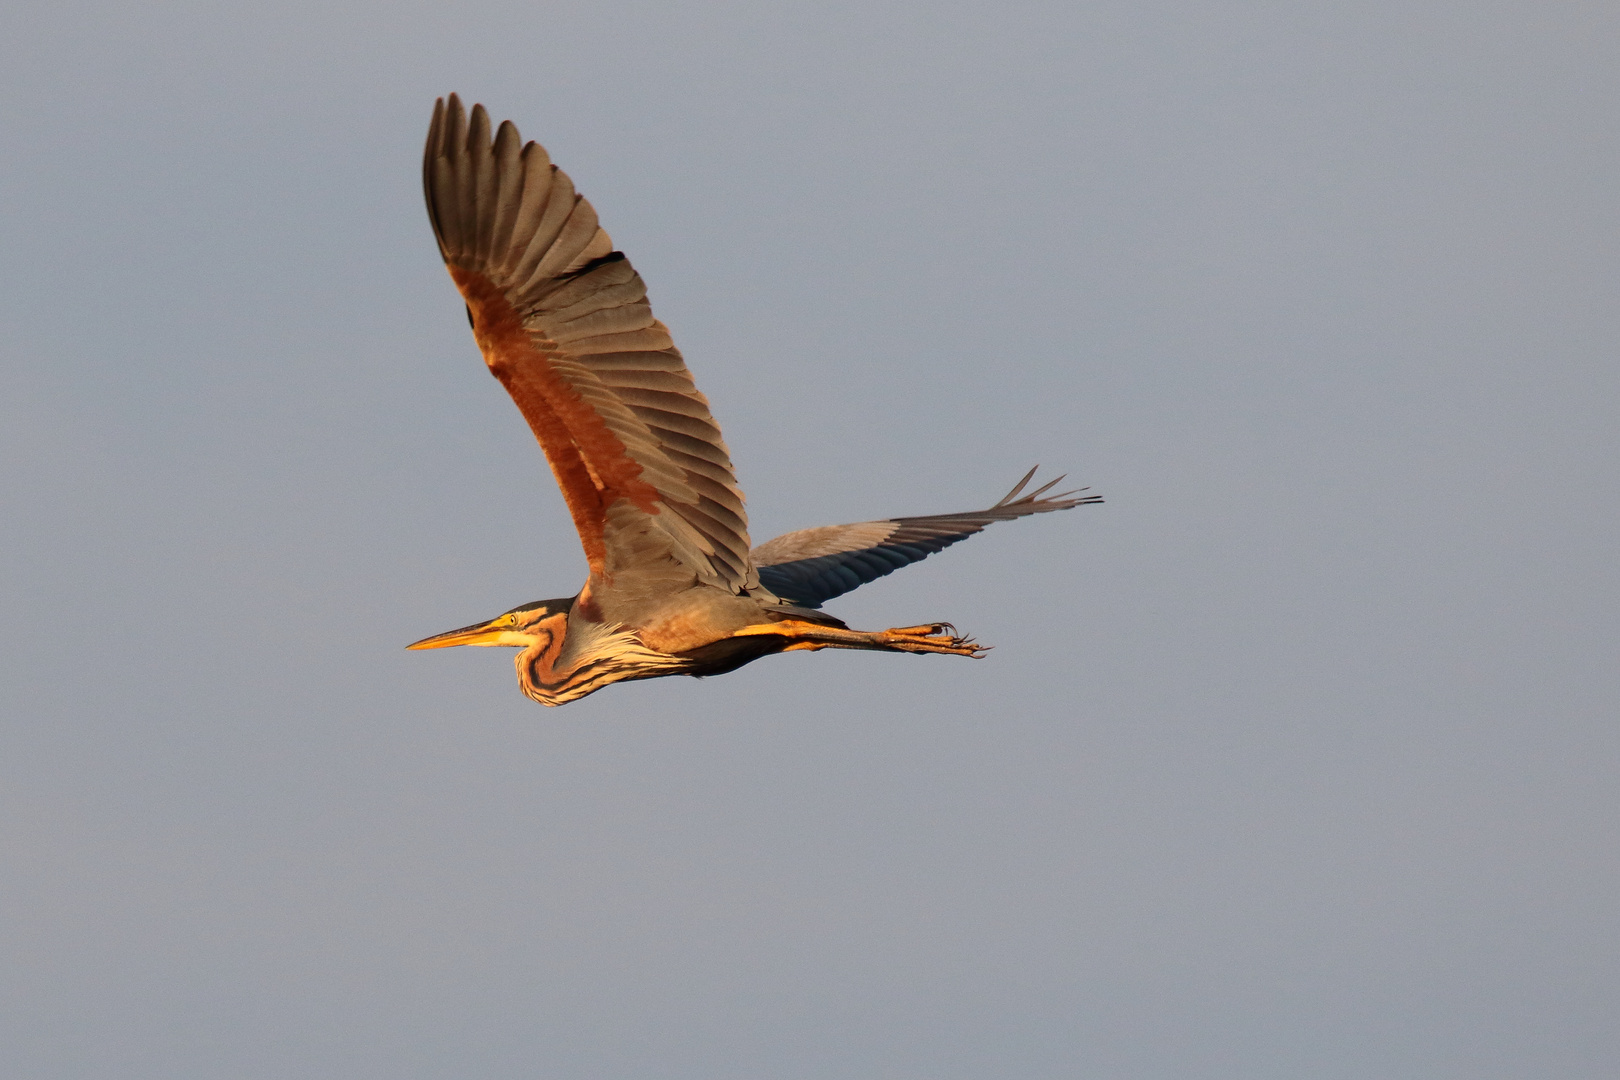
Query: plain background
[1296, 758]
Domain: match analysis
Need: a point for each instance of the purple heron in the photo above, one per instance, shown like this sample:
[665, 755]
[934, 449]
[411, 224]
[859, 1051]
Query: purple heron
[563, 322]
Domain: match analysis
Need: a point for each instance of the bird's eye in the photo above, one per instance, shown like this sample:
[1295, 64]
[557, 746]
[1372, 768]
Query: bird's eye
[511, 620]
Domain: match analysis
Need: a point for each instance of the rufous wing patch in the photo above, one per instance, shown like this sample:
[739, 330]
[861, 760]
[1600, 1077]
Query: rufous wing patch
[590, 462]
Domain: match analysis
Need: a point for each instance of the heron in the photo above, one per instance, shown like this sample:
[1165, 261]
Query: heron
[563, 321]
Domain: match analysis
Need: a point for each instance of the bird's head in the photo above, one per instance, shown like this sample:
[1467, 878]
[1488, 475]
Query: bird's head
[538, 623]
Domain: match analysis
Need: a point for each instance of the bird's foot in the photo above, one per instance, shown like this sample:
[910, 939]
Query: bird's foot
[940, 637]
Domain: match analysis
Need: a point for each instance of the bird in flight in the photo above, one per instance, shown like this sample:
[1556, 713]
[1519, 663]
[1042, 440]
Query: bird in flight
[674, 589]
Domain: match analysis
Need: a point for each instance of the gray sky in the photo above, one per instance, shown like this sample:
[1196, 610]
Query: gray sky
[1296, 758]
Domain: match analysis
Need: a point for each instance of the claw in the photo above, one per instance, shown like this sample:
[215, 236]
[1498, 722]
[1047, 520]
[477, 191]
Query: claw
[938, 637]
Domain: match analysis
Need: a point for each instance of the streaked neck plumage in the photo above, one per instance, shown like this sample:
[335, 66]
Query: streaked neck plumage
[570, 657]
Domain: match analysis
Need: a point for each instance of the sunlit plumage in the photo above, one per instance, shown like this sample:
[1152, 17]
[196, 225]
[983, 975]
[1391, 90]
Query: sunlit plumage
[674, 589]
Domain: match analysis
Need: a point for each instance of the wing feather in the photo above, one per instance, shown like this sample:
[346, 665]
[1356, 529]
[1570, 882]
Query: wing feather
[564, 323]
[579, 228]
[558, 203]
[482, 169]
[538, 176]
[509, 186]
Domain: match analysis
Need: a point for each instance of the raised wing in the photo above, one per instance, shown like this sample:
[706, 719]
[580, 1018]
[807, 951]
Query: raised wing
[811, 566]
[564, 324]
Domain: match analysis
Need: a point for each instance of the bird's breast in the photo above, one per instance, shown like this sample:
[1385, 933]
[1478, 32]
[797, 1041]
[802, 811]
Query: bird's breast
[697, 618]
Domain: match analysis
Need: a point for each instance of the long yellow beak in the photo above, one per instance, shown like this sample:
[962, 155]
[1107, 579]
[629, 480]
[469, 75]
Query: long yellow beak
[484, 633]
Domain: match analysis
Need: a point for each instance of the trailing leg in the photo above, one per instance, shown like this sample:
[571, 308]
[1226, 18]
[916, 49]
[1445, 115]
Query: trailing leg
[926, 638]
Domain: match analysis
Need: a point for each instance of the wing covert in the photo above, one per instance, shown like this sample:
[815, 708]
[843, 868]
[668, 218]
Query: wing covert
[563, 322]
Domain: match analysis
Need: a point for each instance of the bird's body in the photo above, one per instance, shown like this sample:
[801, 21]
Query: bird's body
[674, 589]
